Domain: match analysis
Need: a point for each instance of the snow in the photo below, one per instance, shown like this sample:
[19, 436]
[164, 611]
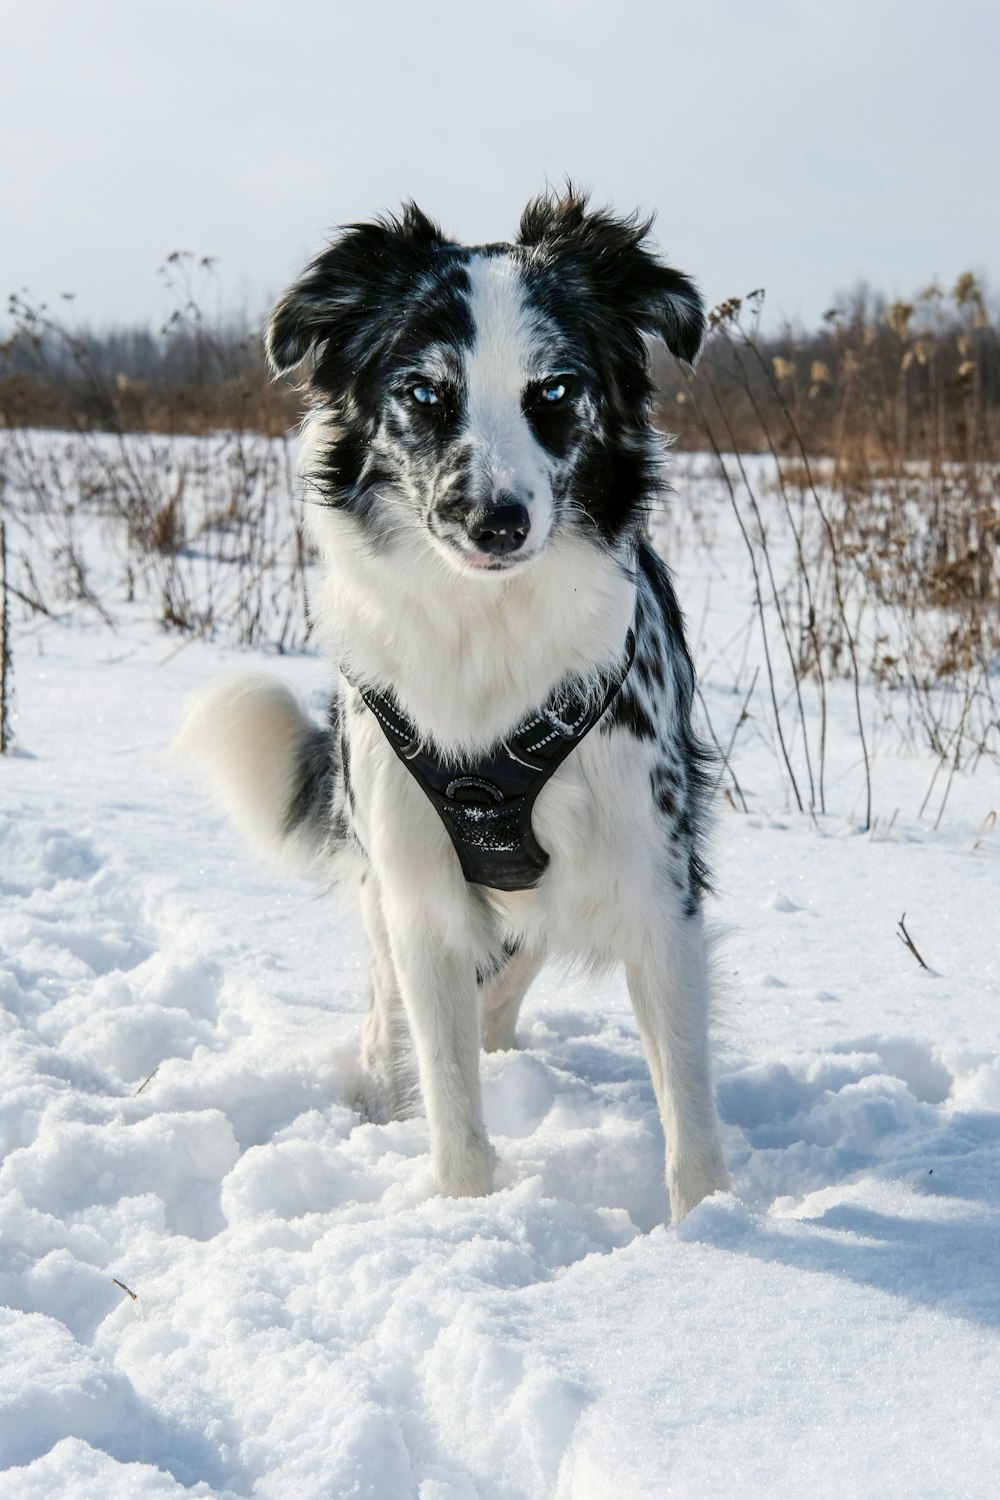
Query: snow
[177, 1037]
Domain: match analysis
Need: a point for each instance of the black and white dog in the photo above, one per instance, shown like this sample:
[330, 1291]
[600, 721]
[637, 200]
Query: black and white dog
[509, 768]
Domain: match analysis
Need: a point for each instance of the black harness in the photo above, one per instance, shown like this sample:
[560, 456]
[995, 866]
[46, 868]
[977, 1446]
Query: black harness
[486, 804]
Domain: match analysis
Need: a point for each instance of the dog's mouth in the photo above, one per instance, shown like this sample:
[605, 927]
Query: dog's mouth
[471, 561]
[492, 538]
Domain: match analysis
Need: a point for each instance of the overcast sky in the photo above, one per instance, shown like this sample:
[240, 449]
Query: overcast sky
[791, 145]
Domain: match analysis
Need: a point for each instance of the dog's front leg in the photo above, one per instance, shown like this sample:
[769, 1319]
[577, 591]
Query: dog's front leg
[438, 986]
[668, 986]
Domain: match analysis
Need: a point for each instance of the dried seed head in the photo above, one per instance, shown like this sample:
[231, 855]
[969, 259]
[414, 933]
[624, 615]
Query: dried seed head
[967, 291]
[898, 318]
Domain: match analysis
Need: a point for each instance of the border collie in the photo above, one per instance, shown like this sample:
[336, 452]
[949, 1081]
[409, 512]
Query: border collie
[509, 767]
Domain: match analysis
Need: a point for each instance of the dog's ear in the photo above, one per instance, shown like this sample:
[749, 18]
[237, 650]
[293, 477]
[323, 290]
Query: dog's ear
[342, 291]
[619, 268]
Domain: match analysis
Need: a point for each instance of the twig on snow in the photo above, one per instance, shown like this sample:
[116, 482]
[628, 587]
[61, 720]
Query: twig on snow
[988, 822]
[145, 1081]
[904, 937]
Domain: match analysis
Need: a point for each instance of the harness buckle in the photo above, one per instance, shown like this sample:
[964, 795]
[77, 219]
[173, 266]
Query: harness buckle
[473, 791]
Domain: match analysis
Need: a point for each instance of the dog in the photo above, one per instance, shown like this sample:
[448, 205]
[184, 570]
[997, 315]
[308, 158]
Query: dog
[509, 767]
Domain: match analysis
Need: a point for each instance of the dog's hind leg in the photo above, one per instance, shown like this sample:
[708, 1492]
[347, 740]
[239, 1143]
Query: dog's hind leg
[668, 985]
[500, 996]
[389, 1089]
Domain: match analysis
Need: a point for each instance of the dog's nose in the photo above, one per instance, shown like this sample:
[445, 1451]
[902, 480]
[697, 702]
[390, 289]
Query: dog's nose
[499, 528]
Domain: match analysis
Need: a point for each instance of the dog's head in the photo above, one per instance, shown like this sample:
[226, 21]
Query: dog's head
[489, 397]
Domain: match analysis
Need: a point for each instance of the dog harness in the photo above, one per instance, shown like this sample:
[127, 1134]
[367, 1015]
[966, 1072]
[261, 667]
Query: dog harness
[486, 804]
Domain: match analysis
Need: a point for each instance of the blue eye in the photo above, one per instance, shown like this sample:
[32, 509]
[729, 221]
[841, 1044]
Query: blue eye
[425, 395]
[553, 393]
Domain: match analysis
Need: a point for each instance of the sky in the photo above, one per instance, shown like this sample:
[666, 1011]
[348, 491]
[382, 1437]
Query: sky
[800, 147]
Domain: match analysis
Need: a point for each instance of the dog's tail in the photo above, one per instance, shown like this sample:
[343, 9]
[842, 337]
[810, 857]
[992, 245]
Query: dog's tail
[276, 772]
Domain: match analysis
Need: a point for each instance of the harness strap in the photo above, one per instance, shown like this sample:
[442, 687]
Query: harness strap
[486, 804]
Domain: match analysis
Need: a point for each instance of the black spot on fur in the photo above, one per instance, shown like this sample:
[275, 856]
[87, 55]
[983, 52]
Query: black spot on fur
[660, 591]
[439, 312]
[555, 425]
[315, 780]
[664, 793]
[345, 768]
[648, 668]
[614, 480]
[682, 789]
[628, 713]
[699, 881]
[321, 791]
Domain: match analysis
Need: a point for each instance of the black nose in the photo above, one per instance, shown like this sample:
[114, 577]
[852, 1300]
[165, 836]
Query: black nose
[499, 528]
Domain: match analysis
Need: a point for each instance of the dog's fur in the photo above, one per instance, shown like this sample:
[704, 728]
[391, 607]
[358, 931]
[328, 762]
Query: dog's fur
[446, 380]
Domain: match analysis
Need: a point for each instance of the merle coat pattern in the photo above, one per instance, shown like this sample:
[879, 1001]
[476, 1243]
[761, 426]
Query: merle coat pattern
[479, 461]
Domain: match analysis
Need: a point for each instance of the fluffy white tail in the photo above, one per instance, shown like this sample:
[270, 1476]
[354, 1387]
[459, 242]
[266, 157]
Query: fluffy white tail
[271, 766]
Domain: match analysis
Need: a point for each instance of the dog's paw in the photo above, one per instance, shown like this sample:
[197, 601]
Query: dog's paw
[379, 1099]
[690, 1182]
[466, 1172]
[498, 1034]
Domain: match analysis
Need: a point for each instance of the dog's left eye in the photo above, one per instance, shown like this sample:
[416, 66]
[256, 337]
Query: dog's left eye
[551, 394]
[425, 395]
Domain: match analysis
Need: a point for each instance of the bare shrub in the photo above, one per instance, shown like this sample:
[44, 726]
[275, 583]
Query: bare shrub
[176, 455]
[881, 444]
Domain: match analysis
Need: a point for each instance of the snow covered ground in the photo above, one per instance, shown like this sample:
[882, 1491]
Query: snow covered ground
[217, 1282]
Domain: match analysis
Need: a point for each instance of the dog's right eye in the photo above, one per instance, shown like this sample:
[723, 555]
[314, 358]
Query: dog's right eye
[424, 395]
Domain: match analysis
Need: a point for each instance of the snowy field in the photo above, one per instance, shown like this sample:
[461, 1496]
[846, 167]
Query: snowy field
[216, 1282]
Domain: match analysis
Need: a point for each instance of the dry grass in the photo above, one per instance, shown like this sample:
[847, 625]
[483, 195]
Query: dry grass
[881, 437]
[882, 444]
[203, 532]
